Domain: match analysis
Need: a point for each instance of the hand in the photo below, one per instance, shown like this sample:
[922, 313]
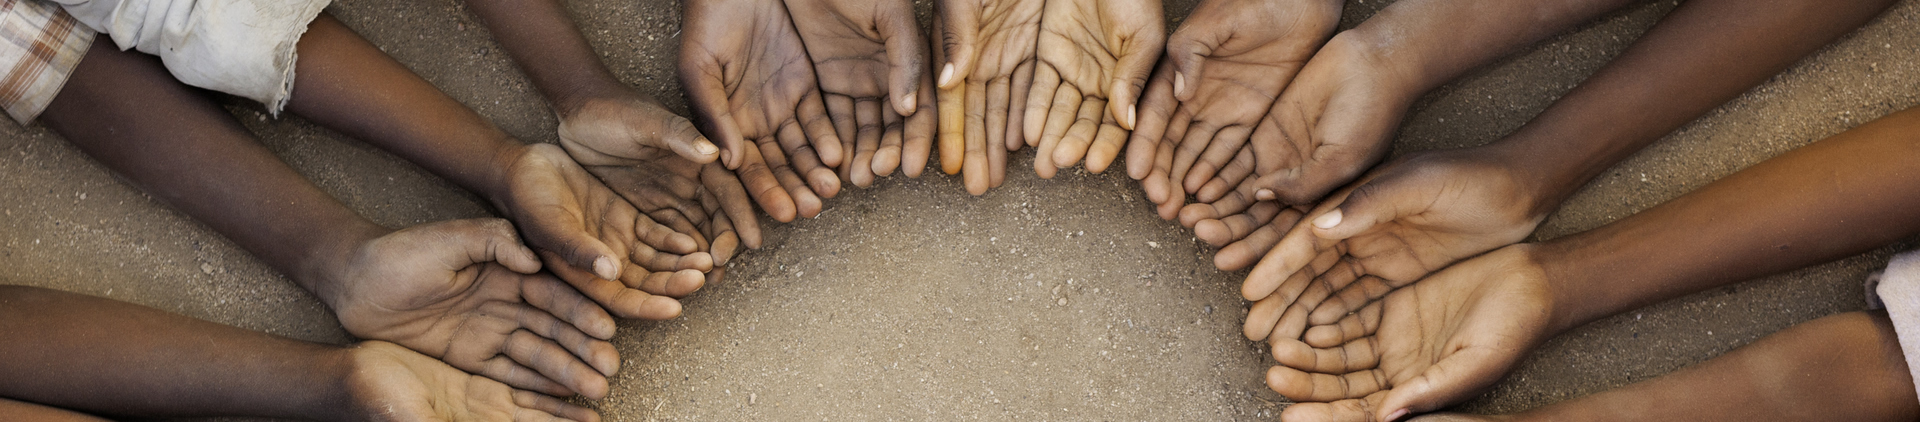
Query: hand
[1438, 342]
[1334, 121]
[435, 288]
[390, 383]
[988, 54]
[632, 125]
[1094, 59]
[747, 77]
[1398, 224]
[577, 223]
[1226, 65]
[872, 63]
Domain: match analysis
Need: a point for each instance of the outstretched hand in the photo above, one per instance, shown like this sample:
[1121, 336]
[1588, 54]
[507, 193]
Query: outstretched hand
[872, 63]
[1426, 346]
[986, 68]
[1095, 56]
[1226, 65]
[749, 80]
[461, 291]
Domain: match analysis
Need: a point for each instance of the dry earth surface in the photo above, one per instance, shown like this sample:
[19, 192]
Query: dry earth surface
[1061, 299]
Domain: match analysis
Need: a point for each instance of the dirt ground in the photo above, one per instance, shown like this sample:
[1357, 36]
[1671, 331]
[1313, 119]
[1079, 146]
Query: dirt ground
[1061, 299]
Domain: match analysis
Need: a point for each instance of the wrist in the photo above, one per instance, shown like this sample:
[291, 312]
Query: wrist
[497, 187]
[1577, 299]
[323, 267]
[334, 402]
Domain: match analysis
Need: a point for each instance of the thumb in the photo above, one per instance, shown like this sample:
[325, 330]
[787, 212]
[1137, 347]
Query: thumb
[959, 30]
[1130, 77]
[1370, 204]
[497, 242]
[701, 77]
[1187, 51]
[906, 59]
[685, 140]
[1452, 380]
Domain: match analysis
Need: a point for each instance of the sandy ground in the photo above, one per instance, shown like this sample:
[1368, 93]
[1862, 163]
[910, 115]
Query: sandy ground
[1059, 299]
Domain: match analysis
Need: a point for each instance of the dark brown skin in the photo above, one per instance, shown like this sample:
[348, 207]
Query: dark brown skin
[114, 358]
[416, 287]
[1430, 209]
[649, 155]
[872, 63]
[1455, 333]
[986, 60]
[1095, 56]
[750, 82]
[1845, 367]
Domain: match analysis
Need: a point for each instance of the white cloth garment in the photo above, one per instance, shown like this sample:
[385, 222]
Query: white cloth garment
[240, 47]
[1899, 290]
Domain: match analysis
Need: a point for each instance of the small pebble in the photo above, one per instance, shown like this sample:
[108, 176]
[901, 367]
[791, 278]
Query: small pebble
[1063, 301]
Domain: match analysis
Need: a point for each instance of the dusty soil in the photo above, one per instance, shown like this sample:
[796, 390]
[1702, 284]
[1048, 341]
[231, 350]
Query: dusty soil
[1059, 299]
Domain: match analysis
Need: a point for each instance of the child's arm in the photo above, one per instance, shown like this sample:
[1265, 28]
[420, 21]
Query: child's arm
[346, 84]
[409, 287]
[103, 356]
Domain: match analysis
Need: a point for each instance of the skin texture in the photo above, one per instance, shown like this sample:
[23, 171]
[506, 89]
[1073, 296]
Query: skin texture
[872, 63]
[987, 53]
[433, 287]
[1225, 66]
[1453, 334]
[1094, 60]
[114, 358]
[1419, 214]
[750, 82]
[646, 153]
[1841, 367]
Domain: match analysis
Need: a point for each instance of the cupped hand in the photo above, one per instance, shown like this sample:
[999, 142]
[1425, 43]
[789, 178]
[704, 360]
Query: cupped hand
[872, 63]
[749, 80]
[461, 291]
[986, 68]
[1095, 56]
[391, 383]
[591, 236]
[1435, 343]
[1225, 66]
[1335, 120]
[1401, 222]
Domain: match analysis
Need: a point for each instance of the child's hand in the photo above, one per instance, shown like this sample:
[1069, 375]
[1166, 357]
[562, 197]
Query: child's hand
[1226, 65]
[628, 124]
[589, 235]
[1401, 222]
[700, 200]
[749, 81]
[872, 63]
[436, 288]
[1334, 121]
[986, 65]
[1095, 57]
[390, 383]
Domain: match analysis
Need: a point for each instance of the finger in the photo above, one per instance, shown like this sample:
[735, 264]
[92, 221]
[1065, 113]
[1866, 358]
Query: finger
[799, 161]
[685, 140]
[649, 259]
[812, 115]
[867, 139]
[886, 158]
[1227, 143]
[996, 164]
[959, 25]
[555, 363]
[1198, 135]
[759, 181]
[1360, 355]
[1106, 146]
[1342, 410]
[489, 240]
[1156, 106]
[1017, 108]
[1059, 119]
[661, 237]
[548, 406]
[504, 369]
[562, 301]
[617, 298]
[1262, 316]
[1229, 205]
[1369, 204]
[1040, 97]
[953, 128]
[840, 113]
[1086, 124]
[975, 167]
[702, 78]
[597, 354]
[999, 93]
[726, 243]
[677, 223]
[674, 284]
[1354, 326]
[906, 56]
[1230, 176]
[921, 127]
[1246, 251]
[732, 196]
[1130, 71]
[1226, 230]
[1301, 386]
[1453, 379]
[1294, 252]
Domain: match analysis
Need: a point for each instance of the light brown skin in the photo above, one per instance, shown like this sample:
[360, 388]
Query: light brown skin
[646, 153]
[1224, 68]
[114, 358]
[1456, 332]
[1094, 59]
[749, 80]
[1430, 209]
[985, 61]
[872, 62]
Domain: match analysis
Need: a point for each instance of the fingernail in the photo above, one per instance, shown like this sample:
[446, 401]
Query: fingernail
[946, 74]
[1179, 83]
[1133, 112]
[606, 269]
[1396, 415]
[1263, 194]
[907, 102]
[705, 148]
[1328, 220]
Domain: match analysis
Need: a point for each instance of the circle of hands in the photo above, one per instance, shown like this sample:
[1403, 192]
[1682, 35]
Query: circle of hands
[1253, 124]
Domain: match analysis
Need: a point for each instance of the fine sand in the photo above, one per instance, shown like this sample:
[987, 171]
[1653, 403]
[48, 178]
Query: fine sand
[1062, 299]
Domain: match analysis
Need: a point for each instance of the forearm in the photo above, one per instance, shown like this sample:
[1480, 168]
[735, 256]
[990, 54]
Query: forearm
[1431, 42]
[124, 110]
[1701, 55]
[547, 45]
[110, 357]
[1841, 196]
[346, 84]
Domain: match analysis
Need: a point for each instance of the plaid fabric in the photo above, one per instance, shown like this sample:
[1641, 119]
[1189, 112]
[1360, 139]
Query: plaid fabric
[39, 46]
